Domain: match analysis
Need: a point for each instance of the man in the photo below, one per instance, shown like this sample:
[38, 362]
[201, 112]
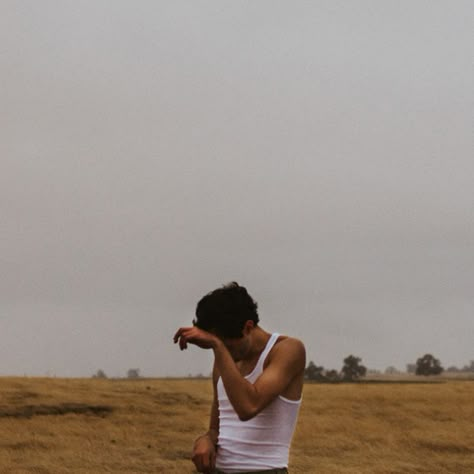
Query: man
[257, 379]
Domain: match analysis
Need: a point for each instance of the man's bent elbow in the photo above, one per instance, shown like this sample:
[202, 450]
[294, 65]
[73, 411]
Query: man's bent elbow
[247, 414]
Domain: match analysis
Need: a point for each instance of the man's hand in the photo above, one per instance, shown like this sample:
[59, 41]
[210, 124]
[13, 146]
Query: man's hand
[194, 335]
[204, 454]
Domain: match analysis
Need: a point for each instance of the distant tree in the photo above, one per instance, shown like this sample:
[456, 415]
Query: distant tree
[133, 373]
[465, 368]
[100, 374]
[332, 375]
[469, 368]
[314, 372]
[352, 368]
[428, 365]
[391, 370]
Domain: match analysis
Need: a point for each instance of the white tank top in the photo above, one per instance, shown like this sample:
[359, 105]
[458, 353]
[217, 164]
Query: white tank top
[262, 442]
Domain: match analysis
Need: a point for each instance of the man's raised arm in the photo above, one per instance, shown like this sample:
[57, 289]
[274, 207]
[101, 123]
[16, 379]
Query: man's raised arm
[287, 362]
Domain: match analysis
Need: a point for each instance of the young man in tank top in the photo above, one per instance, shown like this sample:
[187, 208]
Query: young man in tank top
[257, 380]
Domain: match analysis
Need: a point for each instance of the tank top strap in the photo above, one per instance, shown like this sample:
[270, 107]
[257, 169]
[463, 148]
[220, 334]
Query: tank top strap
[261, 360]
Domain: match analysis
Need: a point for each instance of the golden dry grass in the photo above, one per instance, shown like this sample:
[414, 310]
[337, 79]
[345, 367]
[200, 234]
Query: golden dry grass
[147, 426]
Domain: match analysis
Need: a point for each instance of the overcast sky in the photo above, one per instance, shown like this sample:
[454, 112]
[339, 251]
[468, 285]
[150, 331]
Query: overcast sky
[319, 153]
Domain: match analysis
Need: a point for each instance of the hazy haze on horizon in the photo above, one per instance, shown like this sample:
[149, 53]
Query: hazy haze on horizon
[319, 153]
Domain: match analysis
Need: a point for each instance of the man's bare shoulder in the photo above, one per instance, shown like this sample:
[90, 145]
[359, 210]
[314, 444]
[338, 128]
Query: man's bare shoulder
[290, 348]
[290, 342]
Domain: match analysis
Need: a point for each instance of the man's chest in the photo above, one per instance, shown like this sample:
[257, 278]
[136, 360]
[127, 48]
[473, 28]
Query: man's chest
[246, 367]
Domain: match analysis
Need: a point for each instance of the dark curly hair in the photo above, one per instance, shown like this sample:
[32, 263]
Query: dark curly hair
[224, 311]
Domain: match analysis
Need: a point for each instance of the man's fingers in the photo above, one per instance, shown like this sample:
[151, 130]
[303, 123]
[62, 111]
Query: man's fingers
[178, 334]
[180, 337]
[199, 462]
[192, 335]
[212, 460]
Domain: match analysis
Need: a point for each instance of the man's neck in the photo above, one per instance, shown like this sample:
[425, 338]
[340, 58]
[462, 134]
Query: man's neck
[260, 339]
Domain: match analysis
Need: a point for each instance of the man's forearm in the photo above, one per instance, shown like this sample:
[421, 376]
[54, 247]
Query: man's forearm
[241, 393]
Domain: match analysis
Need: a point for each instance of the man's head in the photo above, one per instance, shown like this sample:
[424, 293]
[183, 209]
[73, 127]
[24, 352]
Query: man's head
[225, 311]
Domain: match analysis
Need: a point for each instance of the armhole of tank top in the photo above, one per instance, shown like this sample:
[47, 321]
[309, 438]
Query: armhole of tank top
[263, 356]
[289, 400]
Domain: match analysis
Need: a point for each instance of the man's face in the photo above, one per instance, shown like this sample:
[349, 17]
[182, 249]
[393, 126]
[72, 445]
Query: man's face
[237, 347]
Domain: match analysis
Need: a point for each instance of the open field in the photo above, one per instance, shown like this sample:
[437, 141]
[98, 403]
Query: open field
[147, 426]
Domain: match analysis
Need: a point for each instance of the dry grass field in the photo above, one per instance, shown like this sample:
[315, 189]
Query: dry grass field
[147, 426]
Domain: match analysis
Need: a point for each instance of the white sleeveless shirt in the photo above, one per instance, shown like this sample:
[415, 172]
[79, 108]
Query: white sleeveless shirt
[262, 442]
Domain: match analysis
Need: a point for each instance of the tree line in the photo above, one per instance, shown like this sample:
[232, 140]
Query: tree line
[131, 374]
[353, 369]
